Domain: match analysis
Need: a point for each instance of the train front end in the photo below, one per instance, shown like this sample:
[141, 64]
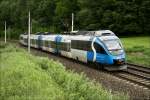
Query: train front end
[110, 52]
[116, 53]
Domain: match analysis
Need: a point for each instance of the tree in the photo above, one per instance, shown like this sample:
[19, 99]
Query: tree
[64, 9]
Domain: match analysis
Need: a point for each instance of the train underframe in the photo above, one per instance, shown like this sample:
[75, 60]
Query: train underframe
[115, 67]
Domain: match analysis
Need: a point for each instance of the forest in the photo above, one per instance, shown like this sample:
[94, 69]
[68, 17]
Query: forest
[124, 17]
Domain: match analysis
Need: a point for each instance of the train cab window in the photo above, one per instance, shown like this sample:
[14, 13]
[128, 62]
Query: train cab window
[113, 44]
[99, 48]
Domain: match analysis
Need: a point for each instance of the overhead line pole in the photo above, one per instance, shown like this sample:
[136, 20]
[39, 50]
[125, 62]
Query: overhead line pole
[29, 30]
[5, 32]
[72, 22]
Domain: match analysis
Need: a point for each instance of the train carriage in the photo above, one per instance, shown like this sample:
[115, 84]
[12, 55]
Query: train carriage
[101, 47]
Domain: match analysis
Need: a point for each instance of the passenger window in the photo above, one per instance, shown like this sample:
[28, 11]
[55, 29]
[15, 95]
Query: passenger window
[99, 48]
[46, 43]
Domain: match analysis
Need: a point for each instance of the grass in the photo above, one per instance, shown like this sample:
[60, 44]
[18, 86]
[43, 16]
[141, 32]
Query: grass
[26, 77]
[137, 49]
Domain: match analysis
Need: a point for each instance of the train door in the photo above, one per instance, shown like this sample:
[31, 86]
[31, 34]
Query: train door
[40, 42]
[58, 42]
[100, 53]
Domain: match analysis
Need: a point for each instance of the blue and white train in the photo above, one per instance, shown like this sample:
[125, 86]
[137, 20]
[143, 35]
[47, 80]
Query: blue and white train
[101, 47]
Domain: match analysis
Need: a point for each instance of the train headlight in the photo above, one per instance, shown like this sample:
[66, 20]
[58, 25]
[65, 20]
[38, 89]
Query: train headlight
[116, 52]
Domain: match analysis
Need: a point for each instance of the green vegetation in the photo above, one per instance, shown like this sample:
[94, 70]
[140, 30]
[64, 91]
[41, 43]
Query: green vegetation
[137, 49]
[26, 77]
[124, 17]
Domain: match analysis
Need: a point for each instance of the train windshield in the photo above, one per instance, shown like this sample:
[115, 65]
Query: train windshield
[113, 44]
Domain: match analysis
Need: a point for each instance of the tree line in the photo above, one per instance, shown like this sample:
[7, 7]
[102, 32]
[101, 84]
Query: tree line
[124, 17]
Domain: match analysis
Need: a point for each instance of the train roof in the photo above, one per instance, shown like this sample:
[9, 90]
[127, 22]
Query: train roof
[95, 33]
[85, 33]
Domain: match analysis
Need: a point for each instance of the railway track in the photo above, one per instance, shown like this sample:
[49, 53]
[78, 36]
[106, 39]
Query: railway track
[140, 68]
[136, 74]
